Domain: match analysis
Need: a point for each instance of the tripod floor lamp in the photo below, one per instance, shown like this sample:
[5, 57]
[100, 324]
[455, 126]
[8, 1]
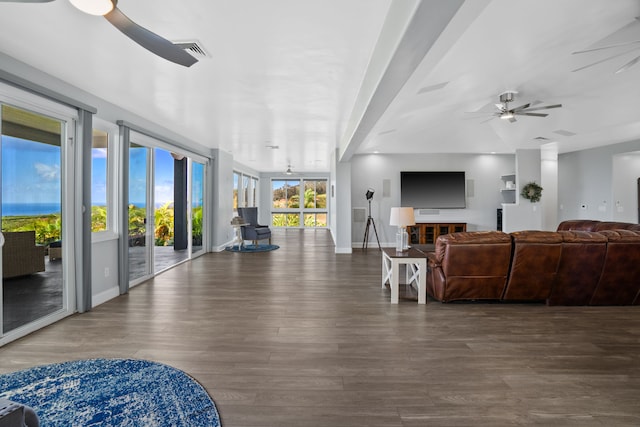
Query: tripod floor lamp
[370, 222]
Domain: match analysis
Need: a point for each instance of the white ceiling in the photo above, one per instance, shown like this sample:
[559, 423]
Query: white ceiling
[312, 75]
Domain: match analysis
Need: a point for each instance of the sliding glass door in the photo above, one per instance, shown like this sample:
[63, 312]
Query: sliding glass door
[171, 244]
[35, 289]
[166, 208]
[139, 200]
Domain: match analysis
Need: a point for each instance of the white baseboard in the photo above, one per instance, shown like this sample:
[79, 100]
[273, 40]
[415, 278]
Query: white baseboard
[343, 250]
[105, 296]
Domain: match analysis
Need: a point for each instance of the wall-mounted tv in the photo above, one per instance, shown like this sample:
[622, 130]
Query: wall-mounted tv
[433, 190]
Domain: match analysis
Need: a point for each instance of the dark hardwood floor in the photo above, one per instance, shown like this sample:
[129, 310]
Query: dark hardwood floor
[303, 337]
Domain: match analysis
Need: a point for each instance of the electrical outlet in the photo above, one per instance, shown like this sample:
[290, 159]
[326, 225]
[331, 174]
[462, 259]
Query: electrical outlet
[106, 272]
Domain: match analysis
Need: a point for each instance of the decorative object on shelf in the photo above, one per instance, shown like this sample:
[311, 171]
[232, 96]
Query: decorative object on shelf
[532, 192]
[401, 217]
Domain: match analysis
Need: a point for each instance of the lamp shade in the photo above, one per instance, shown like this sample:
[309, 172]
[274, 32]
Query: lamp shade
[402, 217]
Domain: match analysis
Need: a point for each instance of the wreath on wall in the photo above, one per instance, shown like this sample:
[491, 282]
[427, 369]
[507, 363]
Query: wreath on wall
[532, 192]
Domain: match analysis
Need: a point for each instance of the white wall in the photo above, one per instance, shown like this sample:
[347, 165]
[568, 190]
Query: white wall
[587, 187]
[104, 271]
[482, 171]
[524, 215]
[626, 172]
[223, 233]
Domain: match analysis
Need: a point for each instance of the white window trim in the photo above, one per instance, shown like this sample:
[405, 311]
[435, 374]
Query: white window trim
[113, 151]
[300, 210]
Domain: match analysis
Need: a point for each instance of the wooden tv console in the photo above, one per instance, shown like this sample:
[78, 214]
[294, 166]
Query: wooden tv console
[427, 233]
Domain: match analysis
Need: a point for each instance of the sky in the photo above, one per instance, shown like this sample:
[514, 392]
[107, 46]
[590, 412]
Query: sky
[31, 173]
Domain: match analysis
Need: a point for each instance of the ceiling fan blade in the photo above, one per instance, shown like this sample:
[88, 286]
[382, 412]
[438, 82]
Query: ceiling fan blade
[606, 47]
[520, 108]
[603, 60]
[533, 114]
[628, 65]
[488, 120]
[150, 41]
[545, 107]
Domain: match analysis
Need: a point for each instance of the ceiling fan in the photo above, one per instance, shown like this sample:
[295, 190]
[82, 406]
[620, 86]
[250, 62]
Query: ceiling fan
[506, 113]
[145, 38]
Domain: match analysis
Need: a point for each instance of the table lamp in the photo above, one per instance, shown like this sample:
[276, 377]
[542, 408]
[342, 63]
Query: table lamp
[401, 217]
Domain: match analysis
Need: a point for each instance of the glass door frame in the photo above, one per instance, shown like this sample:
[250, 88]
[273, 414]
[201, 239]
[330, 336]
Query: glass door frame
[71, 207]
[151, 143]
[149, 216]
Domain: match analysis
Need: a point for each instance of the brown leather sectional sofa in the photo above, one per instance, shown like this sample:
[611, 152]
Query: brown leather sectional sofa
[585, 262]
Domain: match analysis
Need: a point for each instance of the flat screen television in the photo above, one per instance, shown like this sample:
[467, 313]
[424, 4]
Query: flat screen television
[433, 190]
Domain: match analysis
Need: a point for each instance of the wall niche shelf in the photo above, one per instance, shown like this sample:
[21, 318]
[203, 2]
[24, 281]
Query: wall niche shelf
[508, 192]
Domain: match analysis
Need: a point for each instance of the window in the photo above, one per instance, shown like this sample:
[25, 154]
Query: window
[100, 183]
[254, 192]
[245, 190]
[291, 208]
[236, 193]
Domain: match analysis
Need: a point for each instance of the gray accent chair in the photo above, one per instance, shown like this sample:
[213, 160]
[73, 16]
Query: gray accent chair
[254, 231]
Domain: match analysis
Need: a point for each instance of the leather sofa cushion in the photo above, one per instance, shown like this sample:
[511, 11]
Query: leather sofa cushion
[536, 255]
[611, 225]
[468, 238]
[581, 261]
[619, 282]
[578, 224]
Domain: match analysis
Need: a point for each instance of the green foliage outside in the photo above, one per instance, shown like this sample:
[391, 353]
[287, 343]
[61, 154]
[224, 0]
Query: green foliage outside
[137, 227]
[288, 197]
[98, 218]
[196, 225]
[164, 225]
[285, 220]
[47, 227]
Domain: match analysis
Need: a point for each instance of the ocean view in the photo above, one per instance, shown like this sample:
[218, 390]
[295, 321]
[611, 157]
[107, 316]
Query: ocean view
[24, 209]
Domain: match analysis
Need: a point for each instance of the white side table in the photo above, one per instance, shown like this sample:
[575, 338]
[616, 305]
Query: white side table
[238, 239]
[416, 263]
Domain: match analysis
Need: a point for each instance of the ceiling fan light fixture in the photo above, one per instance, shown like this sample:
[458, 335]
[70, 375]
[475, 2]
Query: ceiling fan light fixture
[94, 7]
[506, 115]
[289, 171]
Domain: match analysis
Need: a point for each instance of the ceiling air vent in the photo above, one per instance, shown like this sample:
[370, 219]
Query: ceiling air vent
[541, 138]
[564, 132]
[194, 48]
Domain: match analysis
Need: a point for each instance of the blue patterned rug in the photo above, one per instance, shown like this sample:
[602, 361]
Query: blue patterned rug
[111, 392]
[252, 248]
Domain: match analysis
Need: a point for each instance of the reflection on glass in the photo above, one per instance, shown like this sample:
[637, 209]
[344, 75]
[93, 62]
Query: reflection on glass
[31, 217]
[197, 195]
[138, 255]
